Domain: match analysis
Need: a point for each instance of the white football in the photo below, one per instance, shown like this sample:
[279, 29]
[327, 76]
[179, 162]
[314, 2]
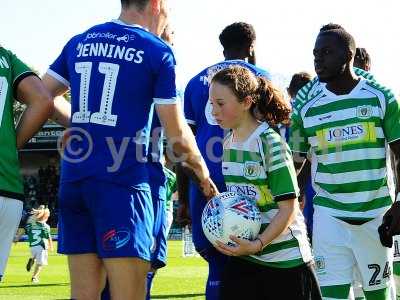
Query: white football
[230, 214]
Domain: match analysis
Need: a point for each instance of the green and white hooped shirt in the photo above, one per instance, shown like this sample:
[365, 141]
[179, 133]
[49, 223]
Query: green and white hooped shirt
[346, 137]
[262, 168]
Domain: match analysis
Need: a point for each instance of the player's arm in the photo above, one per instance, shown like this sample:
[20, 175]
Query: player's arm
[20, 232]
[62, 108]
[183, 215]
[391, 220]
[303, 171]
[51, 247]
[281, 222]
[184, 145]
[395, 148]
[31, 92]
[391, 127]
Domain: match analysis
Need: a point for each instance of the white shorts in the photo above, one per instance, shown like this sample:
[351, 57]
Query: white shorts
[10, 216]
[339, 247]
[40, 255]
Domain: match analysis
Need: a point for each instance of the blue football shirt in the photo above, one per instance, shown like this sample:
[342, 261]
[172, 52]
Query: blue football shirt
[209, 135]
[116, 73]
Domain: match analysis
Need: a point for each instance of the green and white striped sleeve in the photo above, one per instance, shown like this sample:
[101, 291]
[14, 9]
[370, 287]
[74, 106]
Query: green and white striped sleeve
[391, 119]
[281, 174]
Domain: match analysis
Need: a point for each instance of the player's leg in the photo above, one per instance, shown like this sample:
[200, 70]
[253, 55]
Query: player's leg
[216, 264]
[334, 260]
[36, 271]
[374, 261]
[123, 217]
[10, 216]
[127, 277]
[149, 282]
[216, 261]
[159, 249]
[105, 293]
[396, 274]
[358, 293]
[396, 264]
[78, 241]
[31, 259]
[87, 276]
[170, 220]
[40, 262]
[36, 258]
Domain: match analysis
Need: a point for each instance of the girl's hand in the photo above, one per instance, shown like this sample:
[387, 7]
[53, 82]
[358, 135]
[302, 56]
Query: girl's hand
[243, 247]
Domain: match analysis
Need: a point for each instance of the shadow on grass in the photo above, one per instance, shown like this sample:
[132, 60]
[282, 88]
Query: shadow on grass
[33, 285]
[180, 296]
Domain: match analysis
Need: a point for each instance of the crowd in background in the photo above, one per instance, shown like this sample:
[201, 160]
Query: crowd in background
[42, 189]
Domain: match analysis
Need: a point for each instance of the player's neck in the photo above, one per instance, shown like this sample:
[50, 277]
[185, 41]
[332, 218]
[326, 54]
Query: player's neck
[245, 129]
[234, 55]
[343, 84]
[132, 16]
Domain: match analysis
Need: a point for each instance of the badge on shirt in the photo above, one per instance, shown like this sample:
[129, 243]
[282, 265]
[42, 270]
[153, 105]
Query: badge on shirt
[251, 169]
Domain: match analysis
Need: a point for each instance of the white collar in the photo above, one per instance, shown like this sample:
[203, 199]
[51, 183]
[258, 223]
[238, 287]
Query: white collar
[122, 23]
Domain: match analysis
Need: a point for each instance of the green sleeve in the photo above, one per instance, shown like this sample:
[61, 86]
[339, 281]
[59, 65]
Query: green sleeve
[19, 70]
[298, 140]
[281, 174]
[391, 119]
[171, 182]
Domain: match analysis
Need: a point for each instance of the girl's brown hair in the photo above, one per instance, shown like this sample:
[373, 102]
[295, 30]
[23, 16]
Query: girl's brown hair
[269, 104]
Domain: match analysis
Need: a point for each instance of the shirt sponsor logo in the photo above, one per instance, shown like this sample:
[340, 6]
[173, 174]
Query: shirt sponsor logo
[248, 190]
[345, 133]
[115, 239]
[350, 134]
[111, 36]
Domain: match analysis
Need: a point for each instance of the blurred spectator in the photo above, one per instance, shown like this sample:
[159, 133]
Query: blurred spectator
[42, 189]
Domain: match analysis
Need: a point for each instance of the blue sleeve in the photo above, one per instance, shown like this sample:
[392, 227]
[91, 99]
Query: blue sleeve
[187, 105]
[165, 87]
[59, 68]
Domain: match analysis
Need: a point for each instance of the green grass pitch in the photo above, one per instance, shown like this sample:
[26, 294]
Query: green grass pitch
[182, 278]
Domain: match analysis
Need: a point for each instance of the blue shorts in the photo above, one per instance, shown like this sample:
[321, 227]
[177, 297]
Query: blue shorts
[105, 218]
[197, 204]
[159, 250]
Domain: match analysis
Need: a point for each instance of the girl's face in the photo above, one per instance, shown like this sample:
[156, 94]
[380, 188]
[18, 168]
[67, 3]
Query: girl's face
[226, 108]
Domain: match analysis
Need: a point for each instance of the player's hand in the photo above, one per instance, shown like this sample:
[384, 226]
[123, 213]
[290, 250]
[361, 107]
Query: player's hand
[394, 214]
[390, 225]
[243, 247]
[208, 188]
